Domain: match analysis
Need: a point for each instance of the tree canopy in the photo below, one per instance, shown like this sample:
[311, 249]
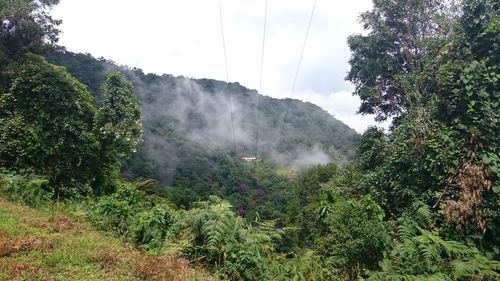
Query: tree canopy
[390, 65]
[118, 125]
[25, 26]
[47, 124]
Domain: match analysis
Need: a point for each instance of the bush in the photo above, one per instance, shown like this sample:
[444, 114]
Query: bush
[116, 212]
[420, 254]
[150, 227]
[306, 266]
[357, 234]
[218, 236]
[27, 189]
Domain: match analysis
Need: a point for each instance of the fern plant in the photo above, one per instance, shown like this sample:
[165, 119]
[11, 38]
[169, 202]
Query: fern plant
[25, 188]
[151, 227]
[307, 266]
[216, 235]
[421, 254]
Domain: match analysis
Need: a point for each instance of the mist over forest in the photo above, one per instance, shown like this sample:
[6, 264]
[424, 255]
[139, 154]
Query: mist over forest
[180, 111]
[110, 173]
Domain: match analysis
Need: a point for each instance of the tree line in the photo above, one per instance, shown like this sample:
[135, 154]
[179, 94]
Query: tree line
[419, 202]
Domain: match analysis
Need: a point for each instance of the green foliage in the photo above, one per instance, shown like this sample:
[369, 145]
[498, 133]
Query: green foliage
[419, 157]
[119, 117]
[18, 140]
[356, 235]
[449, 129]
[306, 204]
[118, 127]
[391, 66]
[350, 233]
[470, 81]
[87, 69]
[305, 267]
[116, 212]
[46, 123]
[128, 212]
[345, 182]
[25, 26]
[27, 188]
[371, 146]
[218, 236]
[150, 227]
[419, 254]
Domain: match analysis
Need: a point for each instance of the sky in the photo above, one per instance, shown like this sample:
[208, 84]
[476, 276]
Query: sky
[183, 37]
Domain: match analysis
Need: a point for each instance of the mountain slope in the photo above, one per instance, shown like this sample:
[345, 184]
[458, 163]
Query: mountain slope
[189, 143]
[199, 110]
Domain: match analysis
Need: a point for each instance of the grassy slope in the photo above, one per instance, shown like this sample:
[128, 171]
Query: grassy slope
[49, 245]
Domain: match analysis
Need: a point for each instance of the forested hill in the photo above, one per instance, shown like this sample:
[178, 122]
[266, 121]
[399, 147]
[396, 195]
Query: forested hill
[186, 118]
[419, 202]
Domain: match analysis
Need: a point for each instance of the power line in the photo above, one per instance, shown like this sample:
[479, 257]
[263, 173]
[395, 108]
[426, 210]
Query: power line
[227, 75]
[296, 75]
[260, 83]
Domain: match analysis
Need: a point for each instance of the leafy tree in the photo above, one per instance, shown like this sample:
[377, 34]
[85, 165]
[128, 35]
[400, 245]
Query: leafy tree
[306, 203]
[468, 95]
[26, 26]
[47, 125]
[419, 157]
[389, 65]
[443, 151]
[118, 126]
[370, 149]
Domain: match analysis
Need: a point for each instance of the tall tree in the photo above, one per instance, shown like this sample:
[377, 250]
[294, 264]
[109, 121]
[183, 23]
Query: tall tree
[443, 150]
[25, 26]
[468, 103]
[118, 125]
[388, 65]
[46, 124]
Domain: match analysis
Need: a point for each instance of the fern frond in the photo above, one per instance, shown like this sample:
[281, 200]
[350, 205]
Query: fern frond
[407, 231]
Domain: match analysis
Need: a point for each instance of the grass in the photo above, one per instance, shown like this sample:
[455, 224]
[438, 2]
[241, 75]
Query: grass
[47, 244]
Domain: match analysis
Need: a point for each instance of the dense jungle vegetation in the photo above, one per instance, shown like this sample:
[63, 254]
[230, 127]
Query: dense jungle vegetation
[186, 124]
[143, 191]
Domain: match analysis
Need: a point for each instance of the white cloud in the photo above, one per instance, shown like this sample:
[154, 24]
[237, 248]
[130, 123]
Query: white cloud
[343, 105]
[184, 38]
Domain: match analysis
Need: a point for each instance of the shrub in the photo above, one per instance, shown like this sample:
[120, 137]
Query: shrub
[420, 254]
[150, 227]
[306, 266]
[218, 236]
[116, 212]
[28, 189]
[357, 234]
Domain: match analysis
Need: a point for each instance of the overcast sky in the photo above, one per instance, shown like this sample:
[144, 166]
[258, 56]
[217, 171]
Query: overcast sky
[183, 37]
